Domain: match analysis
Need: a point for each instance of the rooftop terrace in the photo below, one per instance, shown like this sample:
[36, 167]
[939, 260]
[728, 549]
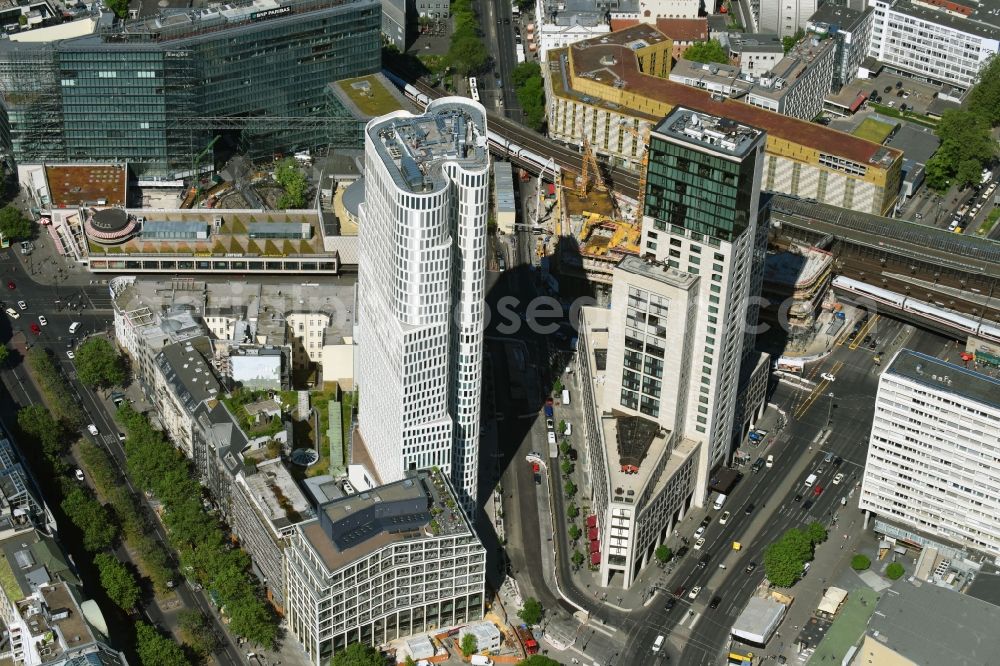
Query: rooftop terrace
[369, 96]
[87, 184]
[418, 507]
[718, 134]
[415, 147]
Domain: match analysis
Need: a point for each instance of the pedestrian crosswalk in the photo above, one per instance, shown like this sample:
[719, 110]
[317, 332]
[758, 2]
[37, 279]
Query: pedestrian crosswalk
[689, 620]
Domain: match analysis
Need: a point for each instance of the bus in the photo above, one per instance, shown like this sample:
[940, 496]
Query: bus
[473, 89]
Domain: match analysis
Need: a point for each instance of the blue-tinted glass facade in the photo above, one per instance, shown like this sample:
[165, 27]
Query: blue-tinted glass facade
[693, 190]
[132, 96]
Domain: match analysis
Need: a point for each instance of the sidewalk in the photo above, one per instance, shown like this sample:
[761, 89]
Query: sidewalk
[46, 266]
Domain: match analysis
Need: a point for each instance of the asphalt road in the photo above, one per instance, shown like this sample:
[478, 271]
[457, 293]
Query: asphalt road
[799, 450]
[498, 27]
[62, 305]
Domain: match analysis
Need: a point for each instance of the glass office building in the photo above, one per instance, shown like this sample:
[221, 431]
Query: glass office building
[156, 90]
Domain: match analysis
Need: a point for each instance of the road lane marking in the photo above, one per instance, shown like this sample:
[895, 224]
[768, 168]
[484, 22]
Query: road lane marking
[817, 392]
[863, 332]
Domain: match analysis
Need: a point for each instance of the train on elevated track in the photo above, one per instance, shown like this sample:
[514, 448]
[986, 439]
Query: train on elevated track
[974, 326]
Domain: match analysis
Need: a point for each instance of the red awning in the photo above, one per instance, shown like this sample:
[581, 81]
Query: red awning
[592, 534]
[595, 558]
[595, 546]
[591, 521]
[552, 190]
[856, 104]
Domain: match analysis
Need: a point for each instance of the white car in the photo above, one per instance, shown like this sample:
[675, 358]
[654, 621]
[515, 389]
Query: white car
[79, 475]
[12, 313]
[22, 305]
[724, 518]
[699, 543]
[837, 479]
[698, 532]
[693, 594]
[42, 321]
[552, 437]
[70, 354]
[828, 377]
[770, 462]
[92, 429]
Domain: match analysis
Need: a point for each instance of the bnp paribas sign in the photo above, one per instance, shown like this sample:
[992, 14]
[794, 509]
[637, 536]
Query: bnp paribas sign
[270, 13]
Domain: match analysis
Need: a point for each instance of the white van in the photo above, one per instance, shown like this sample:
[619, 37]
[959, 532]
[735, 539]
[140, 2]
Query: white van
[719, 501]
[811, 479]
[569, 429]
[565, 396]
[74, 326]
[658, 643]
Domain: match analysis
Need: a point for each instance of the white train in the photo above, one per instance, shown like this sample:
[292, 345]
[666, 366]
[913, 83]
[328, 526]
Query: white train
[498, 144]
[957, 320]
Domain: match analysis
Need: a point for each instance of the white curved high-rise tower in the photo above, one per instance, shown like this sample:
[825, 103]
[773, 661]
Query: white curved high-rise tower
[421, 274]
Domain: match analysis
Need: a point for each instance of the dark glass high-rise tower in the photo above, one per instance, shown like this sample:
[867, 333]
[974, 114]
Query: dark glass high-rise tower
[149, 91]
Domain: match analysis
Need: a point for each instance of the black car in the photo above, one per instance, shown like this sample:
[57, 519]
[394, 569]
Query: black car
[887, 89]
[838, 461]
[872, 345]
[867, 339]
[573, 455]
[703, 562]
[899, 84]
[671, 602]
[714, 603]
[749, 509]
[706, 521]
[797, 498]
[807, 504]
[750, 567]
[681, 552]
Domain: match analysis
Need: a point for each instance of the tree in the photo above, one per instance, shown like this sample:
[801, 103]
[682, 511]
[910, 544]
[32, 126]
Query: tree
[895, 571]
[984, 98]
[4, 354]
[574, 532]
[15, 226]
[710, 51]
[966, 145]
[564, 447]
[577, 558]
[570, 489]
[36, 422]
[663, 554]
[117, 581]
[98, 364]
[860, 562]
[816, 532]
[156, 650]
[198, 632]
[538, 660]
[789, 42]
[561, 428]
[358, 654]
[531, 611]
[119, 7]
[293, 182]
[470, 645]
[530, 90]
[783, 568]
[572, 511]
[468, 54]
[567, 467]
[92, 518]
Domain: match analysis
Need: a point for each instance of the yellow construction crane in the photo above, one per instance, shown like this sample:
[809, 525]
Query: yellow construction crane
[642, 137]
[589, 163]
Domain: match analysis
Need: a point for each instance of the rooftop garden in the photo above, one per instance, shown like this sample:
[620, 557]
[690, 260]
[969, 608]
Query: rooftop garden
[873, 130]
[237, 402]
[370, 96]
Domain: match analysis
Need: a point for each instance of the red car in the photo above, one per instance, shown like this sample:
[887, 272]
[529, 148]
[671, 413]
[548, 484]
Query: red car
[817, 491]
[535, 467]
[35, 329]
[11, 285]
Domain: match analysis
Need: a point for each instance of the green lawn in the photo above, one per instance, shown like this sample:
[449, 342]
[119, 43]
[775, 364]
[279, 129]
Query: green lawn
[987, 226]
[895, 113]
[373, 99]
[873, 130]
[847, 628]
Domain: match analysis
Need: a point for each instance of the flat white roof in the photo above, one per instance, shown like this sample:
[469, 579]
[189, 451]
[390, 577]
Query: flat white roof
[54, 33]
